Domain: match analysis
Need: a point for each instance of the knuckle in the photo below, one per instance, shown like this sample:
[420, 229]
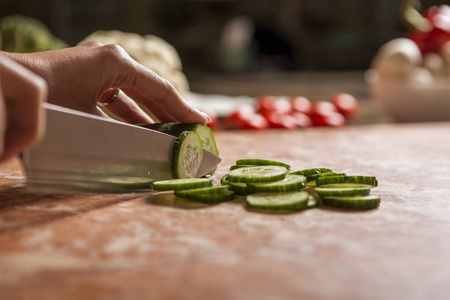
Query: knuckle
[114, 51]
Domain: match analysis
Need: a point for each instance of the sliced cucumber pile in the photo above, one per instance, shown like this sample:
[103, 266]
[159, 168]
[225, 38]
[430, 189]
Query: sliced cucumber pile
[176, 129]
[269, 187]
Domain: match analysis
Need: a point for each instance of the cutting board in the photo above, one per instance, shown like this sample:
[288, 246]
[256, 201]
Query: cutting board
[154, 246]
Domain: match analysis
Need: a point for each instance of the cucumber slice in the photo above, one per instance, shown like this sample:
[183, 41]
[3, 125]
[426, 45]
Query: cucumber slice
[175, 129]
[310, 172]
[182, 184]
[257, 174]
[215, 194]
[357, 202]
[347, 181]
[312, 202]
[342, 192]
[261, 162]
[239, 188]
[278, 202]
[289, 184]
[187, 155]
[242, 166]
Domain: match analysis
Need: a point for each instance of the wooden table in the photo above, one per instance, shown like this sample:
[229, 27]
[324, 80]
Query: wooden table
[149, 246]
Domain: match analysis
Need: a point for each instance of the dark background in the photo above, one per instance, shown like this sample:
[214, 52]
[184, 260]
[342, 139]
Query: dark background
[286, 34]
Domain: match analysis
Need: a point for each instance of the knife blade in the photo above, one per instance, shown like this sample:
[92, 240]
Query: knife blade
[85, 152]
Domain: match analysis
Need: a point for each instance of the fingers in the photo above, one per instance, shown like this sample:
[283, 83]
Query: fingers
[23, 92]
[122, 106]
[150, 89]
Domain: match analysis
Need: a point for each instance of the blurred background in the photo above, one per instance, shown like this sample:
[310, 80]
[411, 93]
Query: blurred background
[243, 47]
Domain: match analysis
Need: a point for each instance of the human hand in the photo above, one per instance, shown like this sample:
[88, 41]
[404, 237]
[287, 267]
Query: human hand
[21, 116]
[82, 76]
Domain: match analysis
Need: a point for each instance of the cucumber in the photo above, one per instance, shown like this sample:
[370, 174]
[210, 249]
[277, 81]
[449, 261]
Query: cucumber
[347, 181]
[261, 162]
[356, 202]
[187, 155]
[175, 129]
[278, 202]
[310, 172]
[242, 166]
[239, 188]
[182, 184]
[215, 194]
[257, 174]
[289, 184]
[342, 192]
[312, 202]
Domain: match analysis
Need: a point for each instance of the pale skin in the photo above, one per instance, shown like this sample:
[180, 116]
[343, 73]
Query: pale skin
[80, 78]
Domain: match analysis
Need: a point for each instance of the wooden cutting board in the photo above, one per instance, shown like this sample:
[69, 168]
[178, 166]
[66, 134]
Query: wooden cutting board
[153, 246]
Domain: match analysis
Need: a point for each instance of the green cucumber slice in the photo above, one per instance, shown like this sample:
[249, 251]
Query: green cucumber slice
[257, 174]
[215, 194]
[312, 202]
[175, 129]
[357, 202]
[310, 172]
[261, 162]
[187, 155]
[237, 167]
[289, 184]
[278, 202]
[239, 188]
[342, 192]
[347, 181]
[182, 184]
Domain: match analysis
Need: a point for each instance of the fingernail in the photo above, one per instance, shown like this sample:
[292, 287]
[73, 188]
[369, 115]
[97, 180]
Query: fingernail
[206, 117]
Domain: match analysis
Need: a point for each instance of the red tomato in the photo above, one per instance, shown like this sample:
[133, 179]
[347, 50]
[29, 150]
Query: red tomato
[323, 107]
[303, 120]
[302, 105]
[346, 104]
[270, 103]
[238, 118]
[280, 120]
[333, 119]
[256, 122]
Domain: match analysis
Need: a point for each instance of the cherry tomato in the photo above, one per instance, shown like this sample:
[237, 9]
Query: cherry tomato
[238, 118]
[333, 119]
[346, 104]
[256, 122]
[279, 120]
[302, 105]
[303, 120]
[270, 103]
[323, 107]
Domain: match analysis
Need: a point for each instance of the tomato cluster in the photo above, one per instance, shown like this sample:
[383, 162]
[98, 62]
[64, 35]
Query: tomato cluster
[291, 113]
[436, 32]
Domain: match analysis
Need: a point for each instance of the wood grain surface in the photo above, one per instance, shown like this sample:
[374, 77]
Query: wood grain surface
[154, 246]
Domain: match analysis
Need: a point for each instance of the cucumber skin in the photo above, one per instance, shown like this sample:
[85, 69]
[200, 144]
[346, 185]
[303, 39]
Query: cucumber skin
[177, 147]
[344, 179]
[255, 179]
[357, 204]
[260, 162]
[272, 188]
[344, 192]
[210, 195]
[239, 188]
[283, 208]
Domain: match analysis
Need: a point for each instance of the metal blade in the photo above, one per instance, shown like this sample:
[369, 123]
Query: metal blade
[85, 152]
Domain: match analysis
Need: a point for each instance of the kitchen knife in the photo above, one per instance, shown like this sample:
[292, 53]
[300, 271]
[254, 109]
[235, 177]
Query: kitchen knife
[85, 152]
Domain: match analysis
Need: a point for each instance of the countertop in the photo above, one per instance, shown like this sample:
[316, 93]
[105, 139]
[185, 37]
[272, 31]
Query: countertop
[153, 246]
